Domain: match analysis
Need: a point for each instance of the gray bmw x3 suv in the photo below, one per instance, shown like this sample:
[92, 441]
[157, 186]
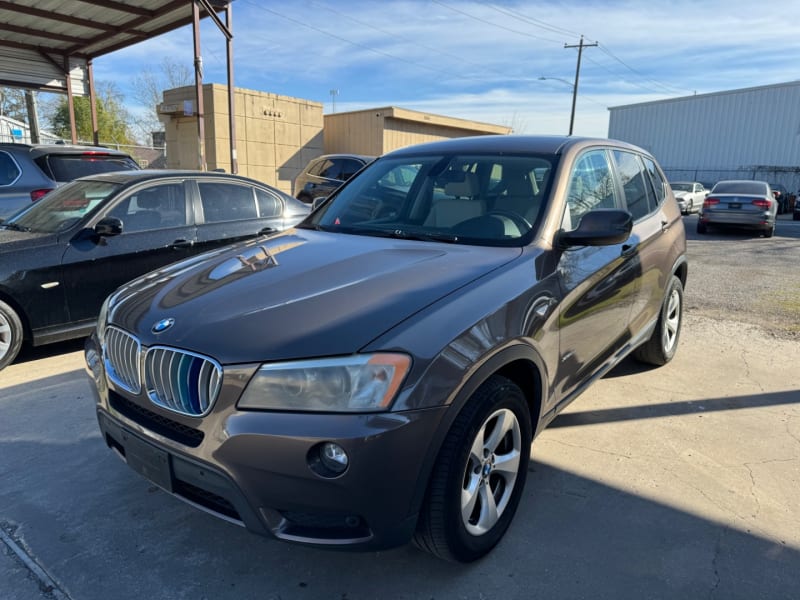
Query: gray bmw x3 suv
[378, 373]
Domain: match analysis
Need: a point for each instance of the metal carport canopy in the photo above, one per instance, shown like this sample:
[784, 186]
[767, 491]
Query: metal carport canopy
[49, 45]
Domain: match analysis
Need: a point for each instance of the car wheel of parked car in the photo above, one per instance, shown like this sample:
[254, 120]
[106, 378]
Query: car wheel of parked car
[479, 475]
[768, 233]
[701, 227]
[661, 346]
[10, 335]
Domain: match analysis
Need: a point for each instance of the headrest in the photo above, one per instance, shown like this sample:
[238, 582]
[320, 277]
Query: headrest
[468, 187]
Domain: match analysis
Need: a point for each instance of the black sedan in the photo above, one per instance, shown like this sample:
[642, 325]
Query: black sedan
[64, 254]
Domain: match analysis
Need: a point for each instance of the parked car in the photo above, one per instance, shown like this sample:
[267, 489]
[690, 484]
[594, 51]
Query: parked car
[65, 253]
[689, 194]
[378, 372]
[781, 195]
[739, 203]
[28, 172]
[323, 175]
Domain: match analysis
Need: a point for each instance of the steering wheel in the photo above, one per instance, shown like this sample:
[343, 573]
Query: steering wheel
[521, 222]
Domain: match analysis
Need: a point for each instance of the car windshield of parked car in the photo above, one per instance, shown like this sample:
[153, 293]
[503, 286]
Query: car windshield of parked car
[756, 188]
[492, 200]
[681, 187]
[63, 207]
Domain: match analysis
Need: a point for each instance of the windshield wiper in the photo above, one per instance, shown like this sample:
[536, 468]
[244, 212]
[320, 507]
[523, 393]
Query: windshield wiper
[15, 227]
[402, 234]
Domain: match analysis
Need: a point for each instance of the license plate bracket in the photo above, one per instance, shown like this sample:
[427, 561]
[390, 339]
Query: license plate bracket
[735, 205]
[150, 462]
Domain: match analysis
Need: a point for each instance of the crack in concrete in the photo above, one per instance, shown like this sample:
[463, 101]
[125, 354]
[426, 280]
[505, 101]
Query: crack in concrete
[717, 579]
[753, 489]
[606, 452]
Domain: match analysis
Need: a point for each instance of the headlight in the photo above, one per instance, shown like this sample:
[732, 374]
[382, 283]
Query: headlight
[361, 383]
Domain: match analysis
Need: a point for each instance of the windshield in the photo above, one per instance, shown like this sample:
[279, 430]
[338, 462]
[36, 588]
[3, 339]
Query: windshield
[681, 187]
[63, 207]
[494, 200]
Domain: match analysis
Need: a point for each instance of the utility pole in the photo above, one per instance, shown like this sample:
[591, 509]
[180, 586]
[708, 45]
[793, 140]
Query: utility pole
[580, 46]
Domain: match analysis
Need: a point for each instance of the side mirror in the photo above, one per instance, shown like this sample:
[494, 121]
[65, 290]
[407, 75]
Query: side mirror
[601, 227]
[108, 227]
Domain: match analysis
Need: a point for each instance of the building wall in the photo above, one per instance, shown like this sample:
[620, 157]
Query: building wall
[354, 133]
[723, 133]
[275, 135]
[376, 131]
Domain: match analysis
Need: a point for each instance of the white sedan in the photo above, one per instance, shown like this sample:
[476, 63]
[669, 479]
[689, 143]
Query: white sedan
[689, 194]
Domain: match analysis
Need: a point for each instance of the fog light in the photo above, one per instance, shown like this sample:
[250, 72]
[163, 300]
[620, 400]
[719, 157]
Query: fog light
[334, 457]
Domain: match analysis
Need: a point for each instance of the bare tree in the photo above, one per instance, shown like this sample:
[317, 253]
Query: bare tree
[148, 88]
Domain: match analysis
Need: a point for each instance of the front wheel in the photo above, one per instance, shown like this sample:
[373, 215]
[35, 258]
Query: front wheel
[479, 475]
[10, 335]
[661, 346]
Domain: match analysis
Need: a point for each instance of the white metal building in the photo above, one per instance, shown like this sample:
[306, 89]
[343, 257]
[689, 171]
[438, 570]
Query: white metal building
[751, 133]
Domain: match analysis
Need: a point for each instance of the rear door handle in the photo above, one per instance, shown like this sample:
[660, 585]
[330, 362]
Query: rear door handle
[628, 249]
[177, 244]
[664, 225]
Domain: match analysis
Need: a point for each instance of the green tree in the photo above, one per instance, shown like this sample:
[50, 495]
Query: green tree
[113, 121]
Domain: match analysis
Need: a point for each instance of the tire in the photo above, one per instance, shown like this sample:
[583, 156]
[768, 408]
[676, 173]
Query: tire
[470, 501]
[768, 233]
[702, 228]
[661, 347]
[689, 207]
[10, 335]
[796, 216]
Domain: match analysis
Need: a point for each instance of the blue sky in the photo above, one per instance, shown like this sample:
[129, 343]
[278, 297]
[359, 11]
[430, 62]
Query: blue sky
[484, 60]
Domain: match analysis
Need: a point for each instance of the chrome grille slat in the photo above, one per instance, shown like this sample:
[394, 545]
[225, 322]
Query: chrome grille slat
[121, 357]
[181, 381]
[178, 380]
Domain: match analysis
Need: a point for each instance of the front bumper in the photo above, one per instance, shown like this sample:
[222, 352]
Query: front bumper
[252, 468]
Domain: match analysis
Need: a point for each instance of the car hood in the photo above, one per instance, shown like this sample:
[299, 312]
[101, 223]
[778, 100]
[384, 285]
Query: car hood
[298, 294]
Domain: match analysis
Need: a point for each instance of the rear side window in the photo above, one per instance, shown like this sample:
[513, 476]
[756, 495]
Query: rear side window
[66, 167]
[268, 205]
[227, 202]
[636, 185]
[659, 183]
[9, 170]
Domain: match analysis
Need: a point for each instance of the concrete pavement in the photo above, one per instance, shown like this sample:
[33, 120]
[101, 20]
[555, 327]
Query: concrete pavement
[679, 482]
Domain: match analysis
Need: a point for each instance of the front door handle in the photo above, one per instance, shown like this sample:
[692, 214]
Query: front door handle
[664, 226]
[182, 243]
[628, 250]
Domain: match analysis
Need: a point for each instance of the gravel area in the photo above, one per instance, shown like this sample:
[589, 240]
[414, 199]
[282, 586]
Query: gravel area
[739, 276]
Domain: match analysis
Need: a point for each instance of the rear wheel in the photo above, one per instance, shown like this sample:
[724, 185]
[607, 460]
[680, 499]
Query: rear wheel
[661, 346]
[768, 233]
[479, 475]
[10, 335]
[702, 227]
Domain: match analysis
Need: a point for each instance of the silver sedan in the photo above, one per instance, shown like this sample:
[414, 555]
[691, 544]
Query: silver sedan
[739, 203]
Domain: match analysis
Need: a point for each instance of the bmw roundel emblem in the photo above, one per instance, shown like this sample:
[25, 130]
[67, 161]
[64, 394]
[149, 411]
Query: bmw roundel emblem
[163, 325]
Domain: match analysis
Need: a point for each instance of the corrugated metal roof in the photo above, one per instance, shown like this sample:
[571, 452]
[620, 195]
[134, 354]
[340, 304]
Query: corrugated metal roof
[37, 37]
